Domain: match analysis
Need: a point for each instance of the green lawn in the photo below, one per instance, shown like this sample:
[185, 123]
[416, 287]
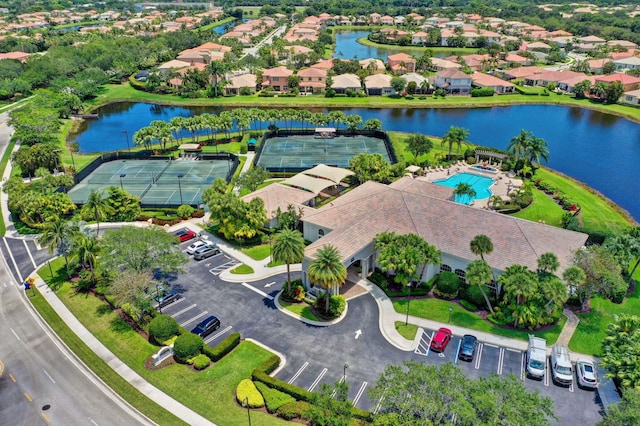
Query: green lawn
[301, 309]
[407, 331]
[259, 252]
[195, 390]
[438, 310]
[543, 209]
[242, 270]
[419, 50]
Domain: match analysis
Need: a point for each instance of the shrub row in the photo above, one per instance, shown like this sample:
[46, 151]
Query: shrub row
[223, 348]
[247, 391]
[273, 398]
[487, 91]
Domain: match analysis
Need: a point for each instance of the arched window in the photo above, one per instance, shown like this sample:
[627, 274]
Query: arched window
[320, 233]
[445, 268]
[461, 274]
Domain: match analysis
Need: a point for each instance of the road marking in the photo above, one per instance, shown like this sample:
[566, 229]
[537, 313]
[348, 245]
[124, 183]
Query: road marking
[12, 378]
[15, 334]
[188, 308]
[194, 318]
[458, 351]
[546, 372]
[94, 422]
[479, 357]
[500, 361]
[29, 253]
[317, 380]
[45, 417]
[522, 366]
[218, 334]
[359, 394]
[571, 386]
[28, 397]
[358, 333]
[15, 265]
[269, 284]
[379, 404]
[295, 376]
[218, 269]
[49, 375]
[491, 345]
[258, 291]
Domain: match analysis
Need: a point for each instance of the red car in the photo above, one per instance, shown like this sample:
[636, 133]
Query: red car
[185, 235]
[441, 339]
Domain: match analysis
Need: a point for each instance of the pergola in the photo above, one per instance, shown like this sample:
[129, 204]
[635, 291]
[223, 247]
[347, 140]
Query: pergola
[491, 154]
[312, 184]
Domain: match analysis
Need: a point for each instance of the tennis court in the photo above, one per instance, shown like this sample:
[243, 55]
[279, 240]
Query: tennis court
[156, 182]
[301, 152]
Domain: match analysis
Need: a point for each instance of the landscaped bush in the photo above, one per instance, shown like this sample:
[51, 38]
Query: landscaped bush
[273, 398]
[468, 306]
[244, 148]
[247, 391]
[223, 348]
[473, 295]
[447, 283]
[185, 211]
[616, 291]
[163, 327]
[296, 392]
[187, 346]
[293, 410]
[487, 91]
[337, 304]
[269, 365]
[201, 362]
[378, 279]
[297, 293]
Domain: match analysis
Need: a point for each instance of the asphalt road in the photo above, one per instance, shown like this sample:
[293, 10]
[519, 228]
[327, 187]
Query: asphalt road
[41, 381]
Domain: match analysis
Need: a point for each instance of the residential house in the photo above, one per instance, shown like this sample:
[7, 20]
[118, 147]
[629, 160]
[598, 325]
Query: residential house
[550, 77]
[386, 20]
[401, 63]
[514, 60]
[568, 85]
[418, 80]
[622, 43]
[18, 56]
[241, 84]
[324, 64]
[312, 80]
[627, 64]
[453, 81]
[498, 85]
[439, 64]
[628, 82]
[277, 78]
[521, 72]
[597, 65]
[592, 40]
[373, 65]
[379, 84]
[344, 82]
[419, 38]
[374, 18]
[173, 65]
[537, 45]
[631, 97]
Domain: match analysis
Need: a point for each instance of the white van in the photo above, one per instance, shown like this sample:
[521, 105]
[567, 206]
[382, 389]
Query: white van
[536, 357]
[561, 367]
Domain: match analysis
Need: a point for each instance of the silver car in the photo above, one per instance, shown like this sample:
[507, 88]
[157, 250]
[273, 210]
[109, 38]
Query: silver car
[586, 373]
[206, 251]
[197, 245]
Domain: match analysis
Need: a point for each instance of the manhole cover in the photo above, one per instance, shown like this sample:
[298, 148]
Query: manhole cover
[46, 407]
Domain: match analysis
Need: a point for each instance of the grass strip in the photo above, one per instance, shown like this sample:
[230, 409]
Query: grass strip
[242, 270]
[3, 165]
[301, 309]
[408, 331]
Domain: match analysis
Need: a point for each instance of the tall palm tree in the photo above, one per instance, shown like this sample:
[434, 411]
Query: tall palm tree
[464, 189]
[327, 270]
[56, 234]
[518, 144]
[481, 245]
[479, 273]
[86, 248]
[455, 135]
[98, 206]
[537, 150]
[288, 247]
[217, 69]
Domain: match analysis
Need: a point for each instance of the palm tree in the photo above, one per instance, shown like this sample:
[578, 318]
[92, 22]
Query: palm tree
[548, 263]
[56, 234]
[537, 150]
[481, 245]
[98, 206]
[327, 270]
[455, 135]
[288, 247]
[464, 189]
[216, 69]
[479, 273]
[518, 144]
[86, 248]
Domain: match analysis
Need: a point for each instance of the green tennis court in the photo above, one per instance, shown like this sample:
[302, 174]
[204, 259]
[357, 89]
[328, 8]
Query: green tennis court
[301, 152]
[156, 182]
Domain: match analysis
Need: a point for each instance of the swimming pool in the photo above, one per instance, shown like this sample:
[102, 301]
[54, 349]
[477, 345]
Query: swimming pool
[480, 184]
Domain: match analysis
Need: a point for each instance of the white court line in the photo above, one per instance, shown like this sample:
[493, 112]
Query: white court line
[218, 334]
[29, 253]
[201, 314]
[260, 292]
[479, 357]
[295, 376]
[359, 394]
[317, 380]
[15, 265]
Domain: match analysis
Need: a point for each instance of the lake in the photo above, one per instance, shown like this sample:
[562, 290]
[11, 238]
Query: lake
[347, 47]
[598, 149]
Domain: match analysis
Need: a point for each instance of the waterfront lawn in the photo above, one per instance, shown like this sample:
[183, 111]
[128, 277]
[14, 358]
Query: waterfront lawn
[419, 50]
[543, 208]
[438, 310]
[596, 214]
[195, 390]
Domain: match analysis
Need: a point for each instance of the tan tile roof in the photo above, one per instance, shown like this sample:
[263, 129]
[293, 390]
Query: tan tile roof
[413, 206]
[279, 196]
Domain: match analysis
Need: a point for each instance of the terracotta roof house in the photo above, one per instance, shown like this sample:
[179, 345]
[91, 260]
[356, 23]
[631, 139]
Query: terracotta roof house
[378, 84]
[631, 63]
[373, 65]
[375, 17]
[522, 72]
[239, 82]
[413, 206]
[440, 64]
[568, 85]
[488, 81]
[631, 97]
[18, 56]
[453, 81]
[386, 20]
[277, 78]
[401, 63]
[344, 82]
[621, 55]
[596, 65]
[324, 64]
[537, 45]
[512, 59]
[312, 80]
[592, 40]
[560, 33]
[628, 82]
[622, 43]
[419, 38]
[547, 77]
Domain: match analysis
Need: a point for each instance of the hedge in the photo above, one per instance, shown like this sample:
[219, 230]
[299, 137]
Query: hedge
[223, 348]
[297, 392]
[201, 362]
[293, 410]
[246, 390]
[187, 346]
[273, 398]
[468, 306]
[162, 327]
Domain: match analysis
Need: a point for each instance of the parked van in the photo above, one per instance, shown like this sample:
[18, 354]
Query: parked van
[536, 357]
[561, 367]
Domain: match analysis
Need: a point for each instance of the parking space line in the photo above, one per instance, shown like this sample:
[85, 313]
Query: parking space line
[455, 361]
[500, 360]
[218, 269]
[29, 253]
[522, 366]
[260, 292]
[201, 314]
[295, 376]
[422, 348]
[218, 334]
[359, 394]
[317, 380]
[546, 372]
[181, 299]
[379, 404]
[492, 345]
[188, 308]
[479, 357]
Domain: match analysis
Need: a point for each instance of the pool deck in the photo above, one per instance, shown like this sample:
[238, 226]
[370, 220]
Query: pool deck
[502, 183]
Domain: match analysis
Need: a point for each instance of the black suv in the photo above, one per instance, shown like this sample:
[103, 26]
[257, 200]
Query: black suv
[468, 347]
[206, 327]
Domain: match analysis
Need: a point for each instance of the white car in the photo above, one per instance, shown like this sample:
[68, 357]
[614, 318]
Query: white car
[586, 373]
[197, 245]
